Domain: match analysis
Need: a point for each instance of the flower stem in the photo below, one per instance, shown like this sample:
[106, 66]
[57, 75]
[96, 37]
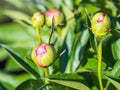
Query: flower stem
[52, 28]
[39, 35]
[46, 72]
[99, 51]
[106, 87]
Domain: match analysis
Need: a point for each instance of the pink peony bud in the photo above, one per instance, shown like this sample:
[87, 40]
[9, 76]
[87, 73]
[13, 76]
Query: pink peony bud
[44, 55]
[100, 24]
[38, 20]
[59, 18]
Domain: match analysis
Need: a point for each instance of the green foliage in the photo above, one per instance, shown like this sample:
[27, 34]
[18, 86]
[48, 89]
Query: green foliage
[72, 84]
[30, 85]
[76, 68]
[20, 61]
[115, 82]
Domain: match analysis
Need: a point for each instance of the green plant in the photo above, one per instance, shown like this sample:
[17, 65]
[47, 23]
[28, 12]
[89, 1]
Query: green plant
[59, 18]
[100, 26]
[85, 53]
[37, 20]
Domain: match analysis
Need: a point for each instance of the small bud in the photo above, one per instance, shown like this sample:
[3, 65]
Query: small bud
[100, 24]
[58, 16]
[44, 55]
[38, 20]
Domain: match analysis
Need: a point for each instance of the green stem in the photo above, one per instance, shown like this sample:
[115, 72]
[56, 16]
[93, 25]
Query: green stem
[108, 83]
[52, 27]
[99, 64]
[46, 72]
[39, 35]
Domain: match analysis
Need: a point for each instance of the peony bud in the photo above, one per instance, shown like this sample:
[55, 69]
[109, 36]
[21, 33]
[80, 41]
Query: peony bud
[58, 16]
[100, 24]
[44, 55]
[38, 20]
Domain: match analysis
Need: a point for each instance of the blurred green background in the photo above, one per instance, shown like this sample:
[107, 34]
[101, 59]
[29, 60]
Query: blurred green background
[78, 41]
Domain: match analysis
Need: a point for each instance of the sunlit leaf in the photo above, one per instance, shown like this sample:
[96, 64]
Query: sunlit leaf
[80, 47]
[91, 64]
[30, 84]
[116, 49]
[115, 82]
[116, 70]
[17, 15]
[20, 61]
[70, 80]
[72, 84]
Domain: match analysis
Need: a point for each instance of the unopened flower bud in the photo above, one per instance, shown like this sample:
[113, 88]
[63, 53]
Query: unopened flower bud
[38, 20]
[44, 55]
[58, 16]
[100, 24]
